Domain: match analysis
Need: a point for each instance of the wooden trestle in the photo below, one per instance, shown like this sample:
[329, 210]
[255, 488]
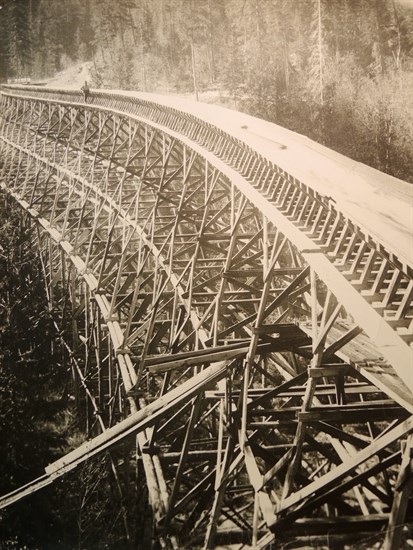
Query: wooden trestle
[247, 341]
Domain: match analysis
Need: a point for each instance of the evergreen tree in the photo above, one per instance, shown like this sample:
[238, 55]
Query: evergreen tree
[290, 62]
[16, 40]
[32, 386]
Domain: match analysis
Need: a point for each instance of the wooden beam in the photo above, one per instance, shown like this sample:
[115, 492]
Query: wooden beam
[333, 477]
[345, 339]
[131, 425]
[336, 525]
[256, 480]
[199, 357]
[221, 481]
[183, 459]
[357, 414]
[403, 492]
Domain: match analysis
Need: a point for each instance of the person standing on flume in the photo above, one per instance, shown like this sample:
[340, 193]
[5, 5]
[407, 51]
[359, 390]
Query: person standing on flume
[86, 90]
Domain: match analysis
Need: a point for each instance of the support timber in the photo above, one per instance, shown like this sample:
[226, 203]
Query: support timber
[245, 339]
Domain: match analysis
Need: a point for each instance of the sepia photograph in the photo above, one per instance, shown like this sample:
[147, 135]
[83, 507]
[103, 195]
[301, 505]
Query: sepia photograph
[206, 274]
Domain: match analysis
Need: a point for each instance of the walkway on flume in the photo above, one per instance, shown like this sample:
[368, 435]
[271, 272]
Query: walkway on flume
[380, 204]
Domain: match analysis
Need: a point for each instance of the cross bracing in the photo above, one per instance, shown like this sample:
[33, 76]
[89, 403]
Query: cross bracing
[251, 340]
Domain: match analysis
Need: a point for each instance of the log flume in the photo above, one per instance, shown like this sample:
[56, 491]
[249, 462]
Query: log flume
[236, 302]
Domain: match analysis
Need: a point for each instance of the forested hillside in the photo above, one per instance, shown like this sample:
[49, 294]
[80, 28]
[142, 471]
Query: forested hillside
[38, 422]
[339, 71]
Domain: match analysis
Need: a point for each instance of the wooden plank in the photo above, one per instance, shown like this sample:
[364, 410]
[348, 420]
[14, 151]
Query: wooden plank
[282, 329]
[389, 344]
[385, 379]
[403, 490]
[331, 370]
[341, 342]
[287, 291]
[333, 477]
[183, 459]
[367, 269]
[338, 524]
[360, 255]
[299, 439]
[255, 477]
[349, 482]
[245, 273]
[26, 490]
[152, 484]
[354, 415]
[392, 288]
[285, 414]
[341, 435]
[201, 487]
[194, 354]
[280, 464]
[379, 278]
[222, 479]
[206, 358]
[318, 344]
[406, 301]
[309, 391]
[285, 386]
[141, 419]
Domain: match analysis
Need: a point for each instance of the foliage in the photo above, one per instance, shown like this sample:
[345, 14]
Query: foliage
[37, 420]
[26, 366]
[33, 414]
[35, 417]
[325, 68]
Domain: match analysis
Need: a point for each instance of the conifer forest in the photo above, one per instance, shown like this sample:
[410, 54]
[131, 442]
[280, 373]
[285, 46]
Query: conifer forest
[337, 71]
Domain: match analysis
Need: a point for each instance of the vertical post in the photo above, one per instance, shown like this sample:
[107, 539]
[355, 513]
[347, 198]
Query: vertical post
[255, 521]
[308, 395]
[402, 492]
[314, 308]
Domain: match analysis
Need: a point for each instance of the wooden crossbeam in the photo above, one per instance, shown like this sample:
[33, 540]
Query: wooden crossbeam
[140, 185]
[333, 477]
[403, 492]
[136, 422]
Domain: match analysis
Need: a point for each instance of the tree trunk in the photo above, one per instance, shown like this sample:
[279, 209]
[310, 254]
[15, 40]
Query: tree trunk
[211, 45]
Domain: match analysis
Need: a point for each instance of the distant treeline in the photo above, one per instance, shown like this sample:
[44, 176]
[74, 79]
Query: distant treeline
[339, 71]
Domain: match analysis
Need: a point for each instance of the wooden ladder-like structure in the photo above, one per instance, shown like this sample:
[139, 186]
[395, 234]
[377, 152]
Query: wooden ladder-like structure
[248, 340]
